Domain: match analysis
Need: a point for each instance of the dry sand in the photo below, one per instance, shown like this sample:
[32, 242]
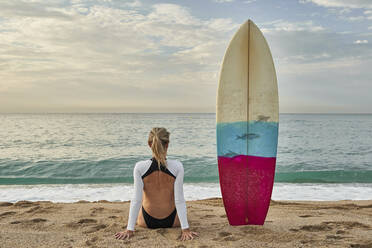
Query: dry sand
[93, 224]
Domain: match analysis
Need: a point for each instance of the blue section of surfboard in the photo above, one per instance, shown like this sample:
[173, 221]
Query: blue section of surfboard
[262, 138]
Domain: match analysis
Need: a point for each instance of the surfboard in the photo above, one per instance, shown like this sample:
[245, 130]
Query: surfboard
[247, 126]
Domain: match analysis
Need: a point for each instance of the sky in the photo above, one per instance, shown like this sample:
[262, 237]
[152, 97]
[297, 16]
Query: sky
[165, 56]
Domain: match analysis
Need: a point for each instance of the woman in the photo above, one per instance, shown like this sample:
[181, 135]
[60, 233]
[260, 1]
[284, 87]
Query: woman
[160, 182]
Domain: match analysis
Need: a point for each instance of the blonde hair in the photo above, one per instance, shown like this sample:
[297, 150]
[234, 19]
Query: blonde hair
[159, 138]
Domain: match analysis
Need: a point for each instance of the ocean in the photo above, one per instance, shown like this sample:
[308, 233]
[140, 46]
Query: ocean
[71, 157]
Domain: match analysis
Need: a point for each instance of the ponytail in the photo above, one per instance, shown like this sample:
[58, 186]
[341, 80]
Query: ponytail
[159, 138]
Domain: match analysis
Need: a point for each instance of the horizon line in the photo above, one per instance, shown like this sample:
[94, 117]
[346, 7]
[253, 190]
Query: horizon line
[325, 113]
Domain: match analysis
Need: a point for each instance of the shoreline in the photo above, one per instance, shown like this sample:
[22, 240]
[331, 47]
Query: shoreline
[345, 223]
[193, 191]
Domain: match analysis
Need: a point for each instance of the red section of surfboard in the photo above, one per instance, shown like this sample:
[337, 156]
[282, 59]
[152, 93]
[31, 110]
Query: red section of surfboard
[246, 185]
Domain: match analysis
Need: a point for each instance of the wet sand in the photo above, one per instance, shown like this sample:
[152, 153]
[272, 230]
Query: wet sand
[93, 224]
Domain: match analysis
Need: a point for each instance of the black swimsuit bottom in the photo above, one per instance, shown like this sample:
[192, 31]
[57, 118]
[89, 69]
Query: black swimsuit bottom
[152, 222]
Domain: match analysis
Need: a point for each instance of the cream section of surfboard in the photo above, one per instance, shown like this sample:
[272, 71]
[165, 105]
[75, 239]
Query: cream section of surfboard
[255, 75]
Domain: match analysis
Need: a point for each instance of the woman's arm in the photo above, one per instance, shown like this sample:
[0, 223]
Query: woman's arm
[179, 197]
[181, 205]
[135, 203]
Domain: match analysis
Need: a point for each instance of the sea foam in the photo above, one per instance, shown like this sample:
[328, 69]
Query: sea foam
[194, 191]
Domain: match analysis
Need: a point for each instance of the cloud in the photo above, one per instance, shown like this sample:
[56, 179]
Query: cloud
[341, 3]
[368, 14]
[249, 1]
[172, 13]
[223, 1]
[135, 3]
[361, 42]
[281, 25]
[312, 62]
[52, 54]
[30, 9]
[355, 18]
[324, 86]
[345, 7]
[308, 46]
[317, 67]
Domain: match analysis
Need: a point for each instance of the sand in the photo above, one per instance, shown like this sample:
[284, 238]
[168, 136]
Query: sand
[93, 224]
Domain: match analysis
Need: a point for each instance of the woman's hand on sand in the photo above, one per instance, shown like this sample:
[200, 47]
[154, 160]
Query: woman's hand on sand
[124, 235]
[187, 234]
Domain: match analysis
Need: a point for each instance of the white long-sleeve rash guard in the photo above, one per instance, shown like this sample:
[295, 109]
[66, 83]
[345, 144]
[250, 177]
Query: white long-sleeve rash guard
[176, 168]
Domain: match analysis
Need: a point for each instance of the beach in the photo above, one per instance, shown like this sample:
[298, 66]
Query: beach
[93, 224]
[247, 103]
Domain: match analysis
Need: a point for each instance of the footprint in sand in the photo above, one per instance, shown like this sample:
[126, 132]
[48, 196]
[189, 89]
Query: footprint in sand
[305, 216]
[316, 228]
[38, 220]
[307, 241]
[224, 234]
[207, 216]
[161, 231]
[32, 221]
[81, 222]
[91, 241]
[335, 237]
[330, 225]
[87, 221]
[16, 222]
[24, 204]
[9, 213]
[40, 210]
[34, 209]
[255, 230]
[96, 228]
[230, 238]
[346, 224]
[366, 245]
[96, 210]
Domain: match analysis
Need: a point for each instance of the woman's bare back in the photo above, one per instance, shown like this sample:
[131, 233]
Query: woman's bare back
[158, 197]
